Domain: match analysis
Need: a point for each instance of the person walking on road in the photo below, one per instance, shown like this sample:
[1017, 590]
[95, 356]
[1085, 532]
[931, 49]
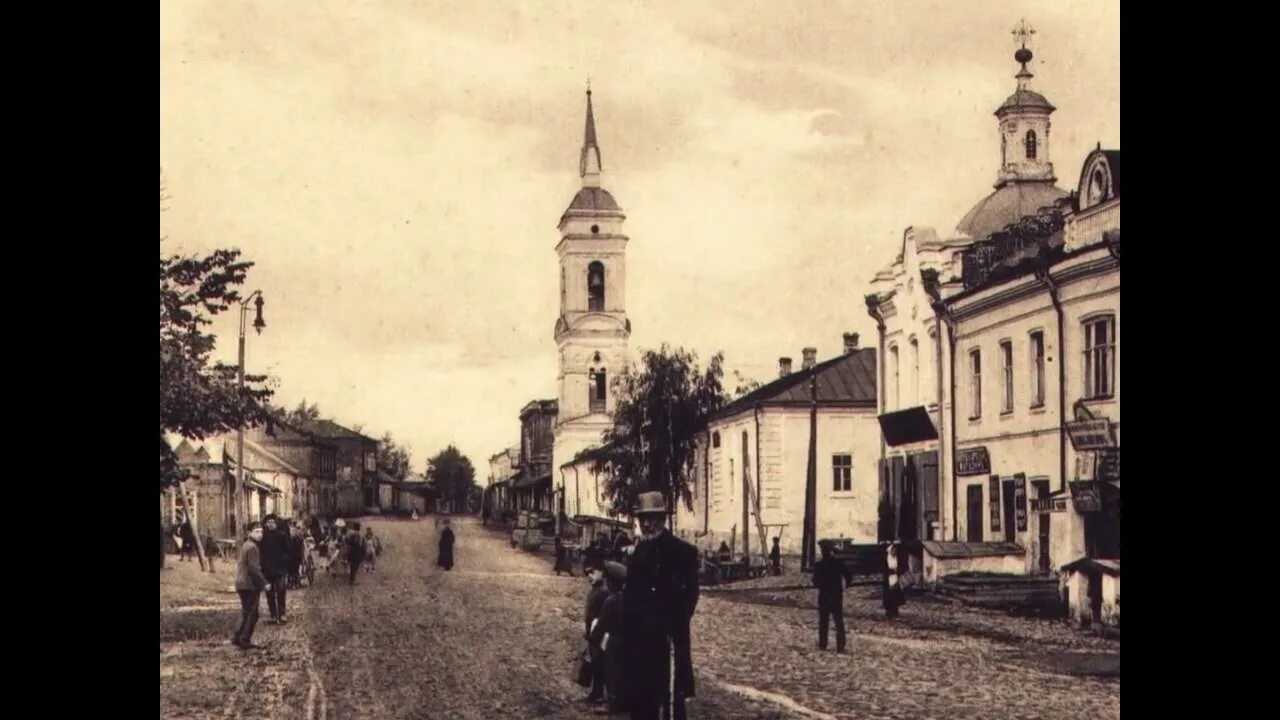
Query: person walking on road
[249, 584]
[354, 550]
[445, 558]
[831, 578]
[275, 566]
[660, 598]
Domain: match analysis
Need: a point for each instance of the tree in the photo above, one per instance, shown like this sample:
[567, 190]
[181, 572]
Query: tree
[659, 414]
[304, 413]
[199, 398]
[452, 475]
[745, 385]
[392, 458]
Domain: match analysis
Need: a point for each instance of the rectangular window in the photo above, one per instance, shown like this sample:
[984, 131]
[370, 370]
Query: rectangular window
[370, 462]
[1037, 369]
[1006, 376]
[731, 477]
[842, 472]
[975, 384]
[1099, 357]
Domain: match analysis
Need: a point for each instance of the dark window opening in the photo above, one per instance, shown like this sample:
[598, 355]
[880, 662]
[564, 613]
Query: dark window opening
[595, 287]
[1030, 142]
[598, 391]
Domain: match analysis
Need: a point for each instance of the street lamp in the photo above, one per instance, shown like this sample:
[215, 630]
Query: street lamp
[258, 325]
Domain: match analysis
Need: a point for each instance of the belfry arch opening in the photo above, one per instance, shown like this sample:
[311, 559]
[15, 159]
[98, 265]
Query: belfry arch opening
[595, 287]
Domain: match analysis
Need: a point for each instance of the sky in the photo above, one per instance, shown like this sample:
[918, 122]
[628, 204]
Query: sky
[396, 170]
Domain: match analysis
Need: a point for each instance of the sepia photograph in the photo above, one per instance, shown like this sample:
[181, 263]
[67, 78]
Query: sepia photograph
[570, 359]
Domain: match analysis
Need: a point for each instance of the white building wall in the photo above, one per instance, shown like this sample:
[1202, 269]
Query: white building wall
[784, 457]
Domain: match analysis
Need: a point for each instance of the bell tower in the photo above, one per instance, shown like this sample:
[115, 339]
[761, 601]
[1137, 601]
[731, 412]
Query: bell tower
[593, 330]
[1024, 124]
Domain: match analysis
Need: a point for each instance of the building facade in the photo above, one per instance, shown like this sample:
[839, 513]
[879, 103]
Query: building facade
[315, 458]
[592, 329]
[917, 416]
[752, 463]
[533, 488]
[1037, 348]
[356, 487]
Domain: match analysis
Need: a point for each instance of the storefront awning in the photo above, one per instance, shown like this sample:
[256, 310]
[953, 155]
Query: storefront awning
[907, 426]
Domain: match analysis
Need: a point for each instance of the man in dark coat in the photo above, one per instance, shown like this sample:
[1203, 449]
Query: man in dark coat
[661, 596]
[297, 552]
[249, 584]
[831, 578]
[275, 565]
[445, 560]
[354, 549]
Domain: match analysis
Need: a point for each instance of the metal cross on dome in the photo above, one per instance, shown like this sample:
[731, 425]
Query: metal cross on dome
[1023, 32]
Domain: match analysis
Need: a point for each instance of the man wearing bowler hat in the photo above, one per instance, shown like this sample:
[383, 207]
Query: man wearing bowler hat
[660, 597]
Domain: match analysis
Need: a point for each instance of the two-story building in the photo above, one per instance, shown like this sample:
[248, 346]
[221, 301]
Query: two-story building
[294, 454]
[754, 460]
[1037, 382]
[357, 466]
[497, 493]
[532, 486]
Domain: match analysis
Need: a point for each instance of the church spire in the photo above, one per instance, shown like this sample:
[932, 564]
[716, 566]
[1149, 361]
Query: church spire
[589, 164]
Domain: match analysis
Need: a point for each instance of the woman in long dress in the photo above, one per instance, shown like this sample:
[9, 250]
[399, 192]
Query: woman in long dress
[445, 559]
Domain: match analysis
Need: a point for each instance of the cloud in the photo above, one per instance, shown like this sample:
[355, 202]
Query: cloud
[396, 170]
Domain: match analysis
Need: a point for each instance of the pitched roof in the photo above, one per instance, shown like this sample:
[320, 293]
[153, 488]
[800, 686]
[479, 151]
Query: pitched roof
[265, 453]
[332, 430]
[844, 379]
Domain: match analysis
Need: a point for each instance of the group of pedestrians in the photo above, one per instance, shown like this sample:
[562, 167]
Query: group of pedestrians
[638, 613]
[272, 560]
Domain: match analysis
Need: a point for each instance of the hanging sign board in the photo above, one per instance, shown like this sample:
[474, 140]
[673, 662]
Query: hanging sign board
[973, 461]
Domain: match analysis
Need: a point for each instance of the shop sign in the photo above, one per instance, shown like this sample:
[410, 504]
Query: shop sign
[1049, 505]
[973, 461]
[1089, 435]
[1020, 500]
[1108, 469]
[1086, 496]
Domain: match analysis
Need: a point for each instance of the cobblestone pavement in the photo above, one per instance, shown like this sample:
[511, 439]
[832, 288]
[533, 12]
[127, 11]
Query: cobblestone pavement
[497, 638]
[936, 660]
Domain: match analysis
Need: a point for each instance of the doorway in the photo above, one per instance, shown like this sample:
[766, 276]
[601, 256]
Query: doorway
[1043, 527]
[973, 502]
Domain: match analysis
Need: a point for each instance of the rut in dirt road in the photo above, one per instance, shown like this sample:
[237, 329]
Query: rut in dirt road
[496, 637]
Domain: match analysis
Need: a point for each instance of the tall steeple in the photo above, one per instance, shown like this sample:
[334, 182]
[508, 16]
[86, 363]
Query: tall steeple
[589, 165]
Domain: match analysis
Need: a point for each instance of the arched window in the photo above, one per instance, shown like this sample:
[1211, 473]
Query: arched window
[598, 387]
[1030, 142]
[595, 287]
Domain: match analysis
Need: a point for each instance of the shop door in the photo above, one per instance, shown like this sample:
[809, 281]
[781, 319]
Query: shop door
[1043, 526]
[973, 501]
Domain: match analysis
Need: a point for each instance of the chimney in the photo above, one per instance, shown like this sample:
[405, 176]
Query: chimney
[850, 342]
[810, 358]
[784, 366]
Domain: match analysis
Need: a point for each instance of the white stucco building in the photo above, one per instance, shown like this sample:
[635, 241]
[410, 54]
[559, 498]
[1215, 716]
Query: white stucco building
[752, 463]
[592, 329]
[1037, 347]
[914, 402]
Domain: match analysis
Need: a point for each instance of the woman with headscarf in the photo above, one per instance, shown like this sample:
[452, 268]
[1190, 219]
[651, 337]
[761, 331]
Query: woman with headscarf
[445, 559]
